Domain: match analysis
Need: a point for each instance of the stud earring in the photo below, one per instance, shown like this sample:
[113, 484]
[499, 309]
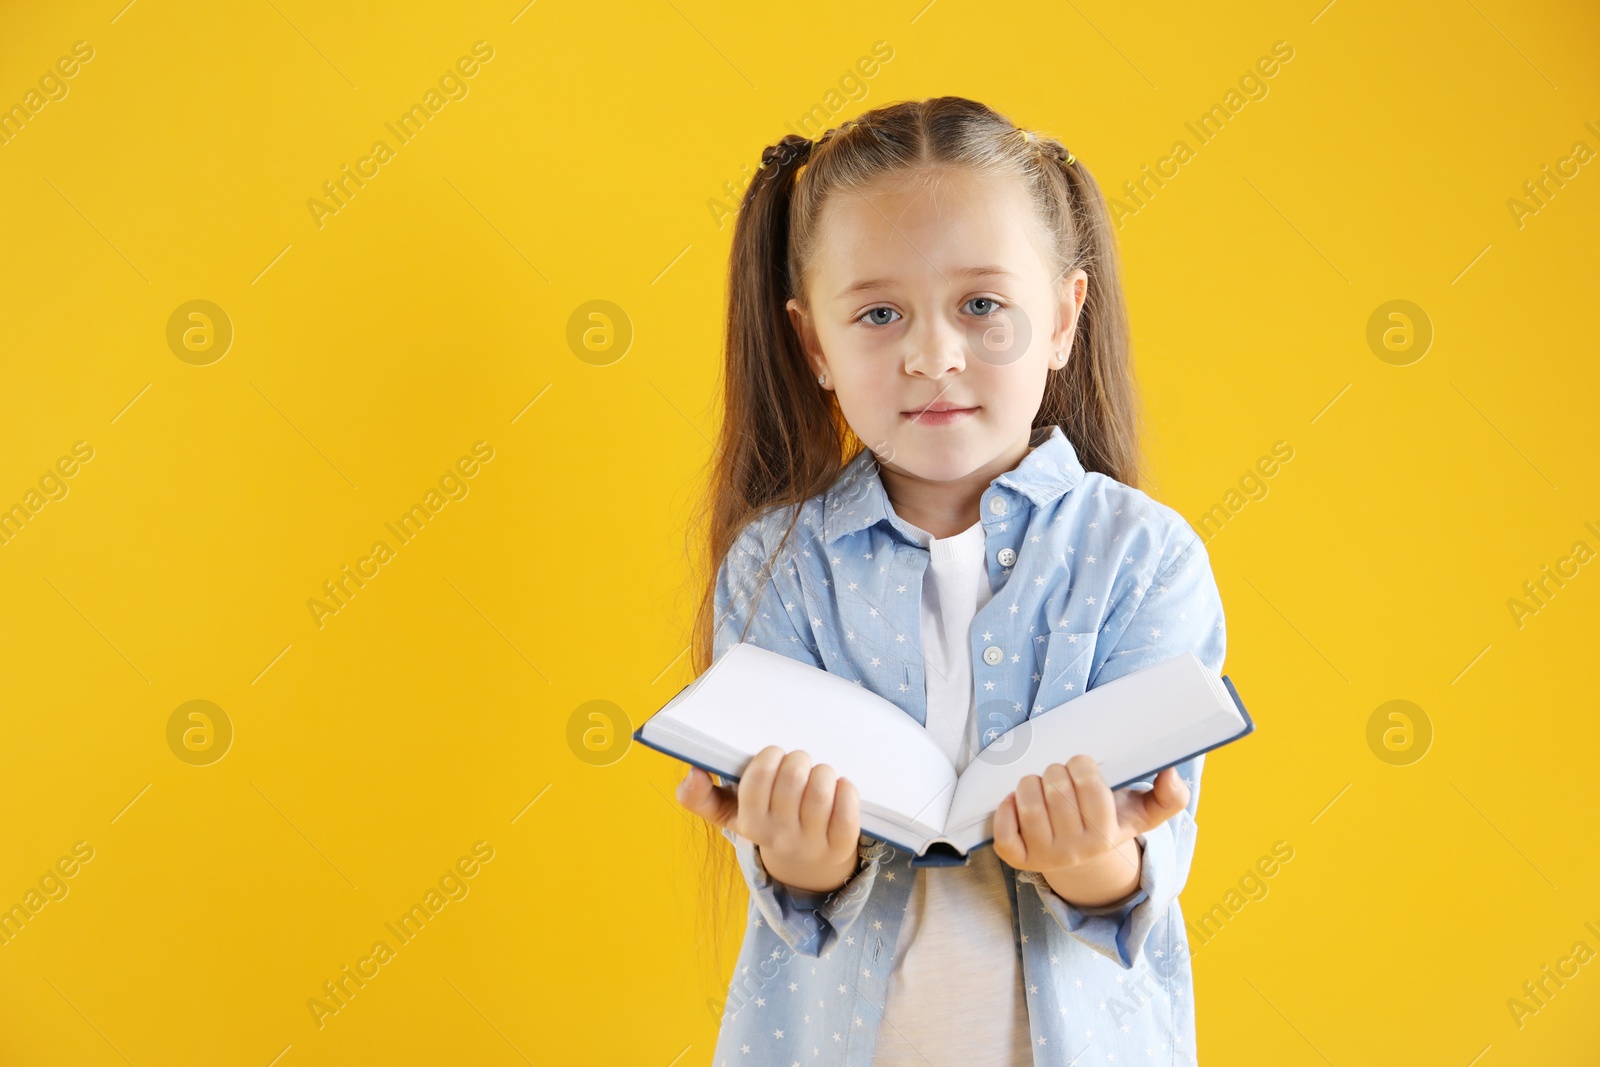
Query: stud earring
[822, 379]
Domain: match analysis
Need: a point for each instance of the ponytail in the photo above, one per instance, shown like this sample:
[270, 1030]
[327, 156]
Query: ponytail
[1094, 399]
[782, 439]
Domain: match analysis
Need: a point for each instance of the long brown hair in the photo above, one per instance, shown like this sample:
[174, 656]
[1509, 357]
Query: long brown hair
[783, 438]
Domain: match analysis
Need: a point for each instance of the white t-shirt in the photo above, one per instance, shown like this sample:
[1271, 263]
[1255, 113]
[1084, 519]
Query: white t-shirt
[955, 994]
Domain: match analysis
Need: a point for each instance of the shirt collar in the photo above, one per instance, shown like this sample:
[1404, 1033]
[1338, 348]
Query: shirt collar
[857, 499]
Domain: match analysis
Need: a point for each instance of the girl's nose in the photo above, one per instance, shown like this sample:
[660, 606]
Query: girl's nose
[936, 351]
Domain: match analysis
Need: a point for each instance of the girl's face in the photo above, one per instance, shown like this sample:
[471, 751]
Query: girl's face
[930, 291]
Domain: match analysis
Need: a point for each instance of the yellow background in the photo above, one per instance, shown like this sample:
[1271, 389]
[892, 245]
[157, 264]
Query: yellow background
[433, 310]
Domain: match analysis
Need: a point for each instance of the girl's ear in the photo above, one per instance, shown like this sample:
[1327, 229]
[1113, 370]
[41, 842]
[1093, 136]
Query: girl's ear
[1073, 291]
[808, 338]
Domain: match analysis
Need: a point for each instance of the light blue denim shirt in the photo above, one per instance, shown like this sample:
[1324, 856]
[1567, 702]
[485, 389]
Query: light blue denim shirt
[1092, 580]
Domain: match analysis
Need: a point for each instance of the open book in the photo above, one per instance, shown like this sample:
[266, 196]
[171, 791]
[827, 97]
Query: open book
[910, 793]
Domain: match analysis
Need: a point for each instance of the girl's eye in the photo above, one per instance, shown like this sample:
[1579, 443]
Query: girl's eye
[992, 306]
[876, 322]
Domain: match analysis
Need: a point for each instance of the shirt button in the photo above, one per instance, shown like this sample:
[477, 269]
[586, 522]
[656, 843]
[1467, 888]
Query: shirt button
[997, 504]
[1007, 557]
[993, 655]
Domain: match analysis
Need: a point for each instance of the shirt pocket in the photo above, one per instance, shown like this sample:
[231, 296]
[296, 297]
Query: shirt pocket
[1064, 671]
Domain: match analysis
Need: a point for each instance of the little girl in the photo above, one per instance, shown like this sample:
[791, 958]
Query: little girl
[927, 485]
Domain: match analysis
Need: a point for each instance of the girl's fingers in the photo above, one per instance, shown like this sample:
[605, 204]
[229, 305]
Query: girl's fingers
[755, 785]
[788, 786]
[718, 805]
[1170, 785]
[844, 826]
[1147, 809]
[1007, 841]
[1033, 820]
[1061, 801]
[816, 804]
[1097, 807]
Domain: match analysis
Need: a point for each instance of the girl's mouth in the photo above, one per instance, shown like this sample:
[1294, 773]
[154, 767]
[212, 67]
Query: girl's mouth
[933, 417]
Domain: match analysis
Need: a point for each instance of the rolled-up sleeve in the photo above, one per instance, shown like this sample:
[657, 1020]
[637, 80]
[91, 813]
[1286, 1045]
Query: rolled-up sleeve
[759, 600]
[1180, 610]
[809, 922]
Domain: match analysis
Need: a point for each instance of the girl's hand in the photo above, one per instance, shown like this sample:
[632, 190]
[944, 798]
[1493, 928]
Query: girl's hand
[1069, 817]
[806, 820]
